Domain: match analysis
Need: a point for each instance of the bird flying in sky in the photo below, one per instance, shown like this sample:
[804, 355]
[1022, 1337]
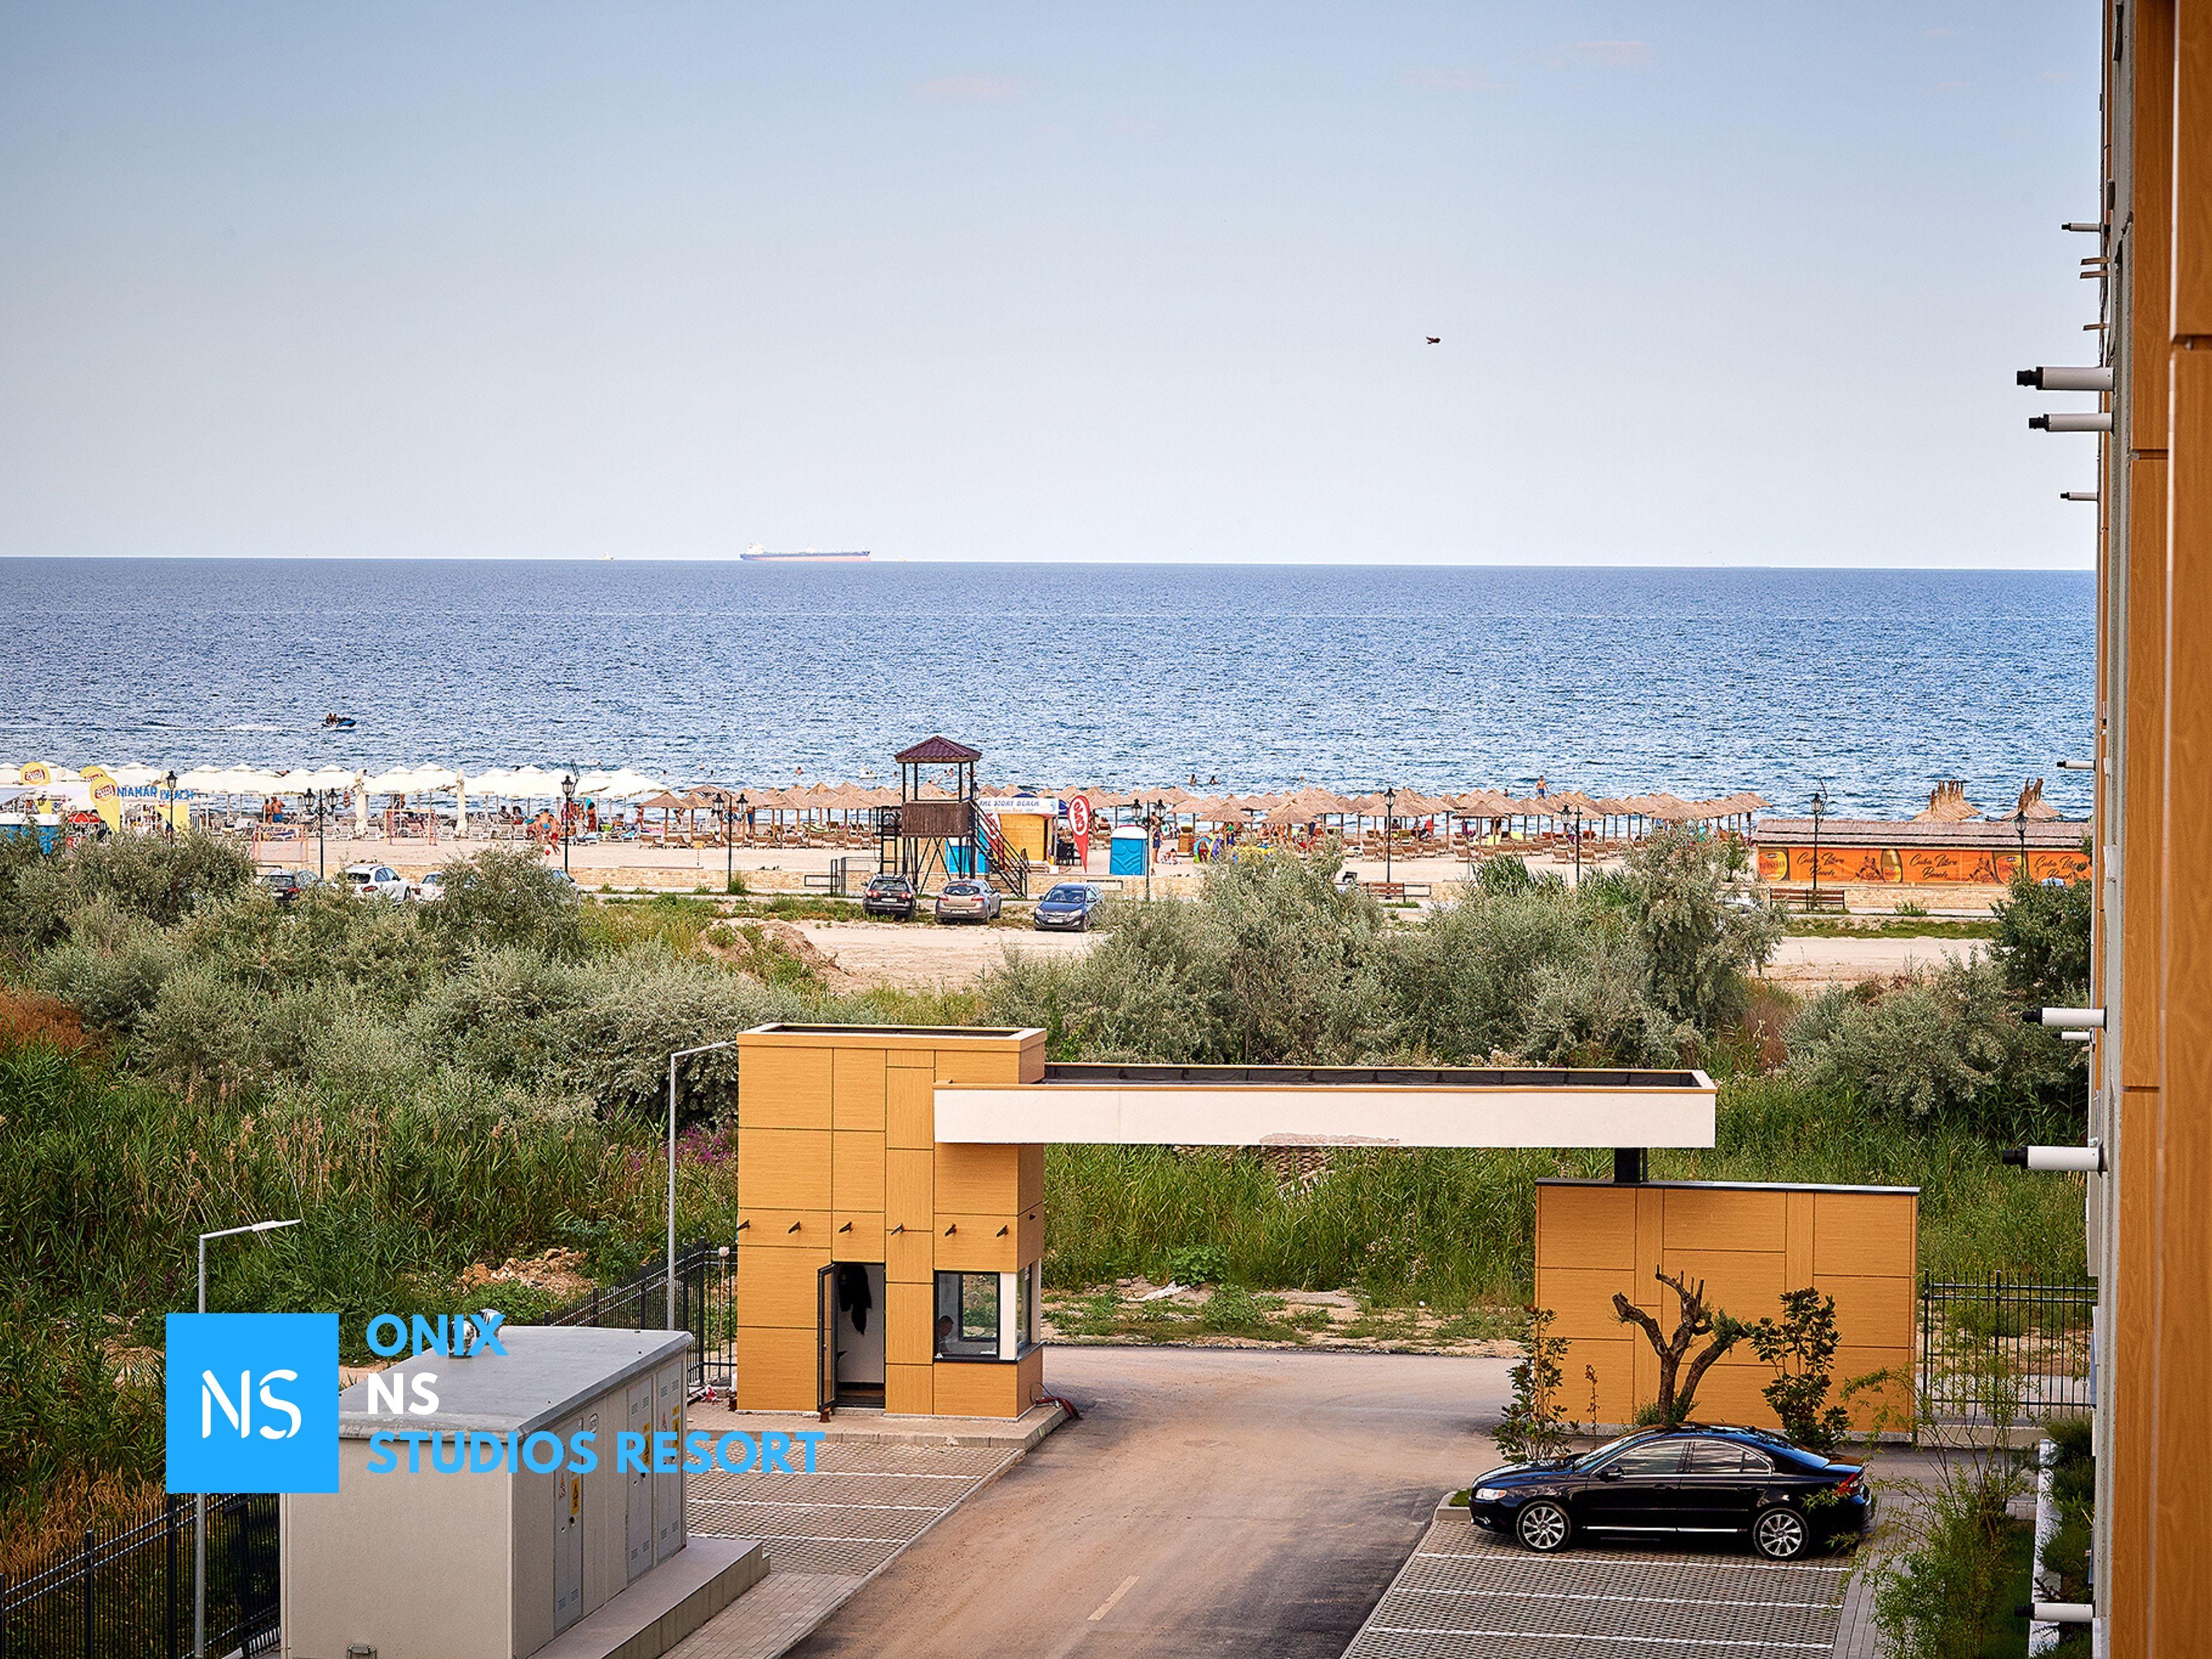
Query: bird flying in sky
[1434, 339]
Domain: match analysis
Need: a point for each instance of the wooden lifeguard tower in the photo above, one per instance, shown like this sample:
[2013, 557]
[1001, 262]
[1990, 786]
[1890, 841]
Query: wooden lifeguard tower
[937, 829]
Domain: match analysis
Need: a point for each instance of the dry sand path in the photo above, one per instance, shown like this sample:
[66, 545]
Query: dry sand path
[924, 957]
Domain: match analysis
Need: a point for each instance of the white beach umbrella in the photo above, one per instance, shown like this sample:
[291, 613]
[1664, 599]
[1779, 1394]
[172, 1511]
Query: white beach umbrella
[297, 781]
[134, 776]
[397, 782]
[436, 777]
[208, 778]
[533, 783]
[492, 780]
[332, 777]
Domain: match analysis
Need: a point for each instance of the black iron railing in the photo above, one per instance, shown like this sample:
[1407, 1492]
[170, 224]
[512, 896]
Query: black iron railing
[1998, 1349]
[703, 1307]
[126, 1592]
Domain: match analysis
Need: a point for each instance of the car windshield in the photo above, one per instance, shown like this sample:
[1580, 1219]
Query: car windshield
[960, 890]
[1590, 1460]
[1064, 895]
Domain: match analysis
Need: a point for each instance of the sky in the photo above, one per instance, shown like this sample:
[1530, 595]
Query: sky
[1715, 283]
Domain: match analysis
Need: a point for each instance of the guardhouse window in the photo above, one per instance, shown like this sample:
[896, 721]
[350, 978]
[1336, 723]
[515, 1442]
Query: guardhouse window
[967, 1316]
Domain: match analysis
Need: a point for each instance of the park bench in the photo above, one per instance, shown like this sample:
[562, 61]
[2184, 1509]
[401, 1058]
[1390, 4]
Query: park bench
[1804, 898]
[1397, 890]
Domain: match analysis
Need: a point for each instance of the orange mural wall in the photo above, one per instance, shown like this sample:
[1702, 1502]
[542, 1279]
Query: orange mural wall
[1911, 865]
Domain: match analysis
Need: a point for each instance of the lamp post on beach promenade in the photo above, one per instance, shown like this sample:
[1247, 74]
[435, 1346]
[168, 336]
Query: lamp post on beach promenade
[1389, 811]
[1820, 811]
[1573, 815]
[319, 800]
[2020, 824]
[169, 817]
[568, 812]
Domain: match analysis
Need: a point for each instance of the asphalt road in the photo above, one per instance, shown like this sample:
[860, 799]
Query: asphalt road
[1210, 1503]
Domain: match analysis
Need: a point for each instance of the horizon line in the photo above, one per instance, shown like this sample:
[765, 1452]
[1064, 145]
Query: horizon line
[1212, 564]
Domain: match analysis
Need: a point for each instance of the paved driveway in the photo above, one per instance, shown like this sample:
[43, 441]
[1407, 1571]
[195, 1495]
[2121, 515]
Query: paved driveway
[1466, 1592]
[1211, 1502]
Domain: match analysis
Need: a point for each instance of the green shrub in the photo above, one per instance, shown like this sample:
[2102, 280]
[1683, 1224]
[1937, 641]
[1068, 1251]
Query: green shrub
[647, 1004]
[144, 875]
[1950, 1044]
[112, 969]
[1689, 902]
[500, 897]
[2042, 946]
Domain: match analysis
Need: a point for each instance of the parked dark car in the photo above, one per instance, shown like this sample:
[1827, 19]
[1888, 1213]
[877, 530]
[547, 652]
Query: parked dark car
[286, 886]
[1696, 1481]
[968, 901]
[1067, 908]
[888, 896]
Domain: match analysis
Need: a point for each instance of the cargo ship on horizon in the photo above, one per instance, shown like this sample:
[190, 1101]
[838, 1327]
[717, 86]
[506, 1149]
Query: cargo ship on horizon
[809, 555]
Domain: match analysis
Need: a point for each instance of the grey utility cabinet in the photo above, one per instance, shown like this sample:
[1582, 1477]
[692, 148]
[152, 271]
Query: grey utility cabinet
[433, 1564]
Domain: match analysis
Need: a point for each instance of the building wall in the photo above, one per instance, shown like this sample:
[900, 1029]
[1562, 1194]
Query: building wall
[1908, 866]
[838, 1161]
[1860, 1245]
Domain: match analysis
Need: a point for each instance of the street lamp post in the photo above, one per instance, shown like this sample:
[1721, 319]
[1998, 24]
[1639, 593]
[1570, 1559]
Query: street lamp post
[199, 1498]
[1389, 811]
[1574, 818]
[679, 1053]
[568, 812]
[2020, 824]
[321, 800]
[1820, 811]
[169, 817]
[1152, 846]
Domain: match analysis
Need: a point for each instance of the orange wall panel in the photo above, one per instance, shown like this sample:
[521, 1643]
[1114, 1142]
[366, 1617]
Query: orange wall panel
[783, 1168]
[783, 1088]
[857, 1088]
[910, 1107]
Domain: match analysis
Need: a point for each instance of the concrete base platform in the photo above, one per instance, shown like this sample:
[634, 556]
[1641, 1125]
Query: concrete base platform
[666, 1605]
[879, 1428]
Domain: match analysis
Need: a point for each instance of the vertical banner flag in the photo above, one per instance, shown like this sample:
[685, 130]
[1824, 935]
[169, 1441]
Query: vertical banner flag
[1078, 820]
[106, 799]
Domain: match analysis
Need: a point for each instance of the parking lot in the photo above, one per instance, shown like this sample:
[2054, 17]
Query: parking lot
[1466, 1592]
[825, 1532]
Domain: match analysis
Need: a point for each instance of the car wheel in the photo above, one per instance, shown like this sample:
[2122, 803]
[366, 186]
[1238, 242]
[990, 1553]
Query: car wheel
[1543, 1527]
[1779, 1534]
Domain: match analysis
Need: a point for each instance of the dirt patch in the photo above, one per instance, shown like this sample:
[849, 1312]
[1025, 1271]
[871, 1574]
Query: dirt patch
[773, 951]
[1136, 1313]
[559, 1272]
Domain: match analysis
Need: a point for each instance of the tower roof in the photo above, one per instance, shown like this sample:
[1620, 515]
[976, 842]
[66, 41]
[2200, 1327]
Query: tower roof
[935, 751]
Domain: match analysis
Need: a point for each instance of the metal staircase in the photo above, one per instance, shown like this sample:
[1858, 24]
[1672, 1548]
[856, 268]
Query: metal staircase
[1007, 869]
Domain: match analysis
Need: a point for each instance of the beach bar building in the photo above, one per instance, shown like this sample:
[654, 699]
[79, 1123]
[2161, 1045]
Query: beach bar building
[1868, 852]
[891, 1181]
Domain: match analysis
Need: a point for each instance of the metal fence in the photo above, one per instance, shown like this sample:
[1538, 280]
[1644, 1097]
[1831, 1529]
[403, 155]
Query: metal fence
[703, 1307]
[1998, 1349]
[128, 1594]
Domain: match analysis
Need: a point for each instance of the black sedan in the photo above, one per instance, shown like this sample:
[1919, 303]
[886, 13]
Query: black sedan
[1068, 908]
[1691, 1481]
[888, 896]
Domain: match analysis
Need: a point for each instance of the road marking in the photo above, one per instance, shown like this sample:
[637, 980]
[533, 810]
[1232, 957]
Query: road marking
[1107, 1606]
[1630, 1561]
[1583, 1636]
[1655, 1601]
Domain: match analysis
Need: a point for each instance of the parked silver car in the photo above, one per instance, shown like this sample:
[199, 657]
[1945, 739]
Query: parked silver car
[376, 881]
[967, 901]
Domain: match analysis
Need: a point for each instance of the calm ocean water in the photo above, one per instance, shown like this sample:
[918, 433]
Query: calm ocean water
[1701, 682]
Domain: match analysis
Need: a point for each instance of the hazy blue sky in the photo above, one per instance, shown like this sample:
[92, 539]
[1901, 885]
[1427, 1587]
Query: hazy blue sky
[1717, 283]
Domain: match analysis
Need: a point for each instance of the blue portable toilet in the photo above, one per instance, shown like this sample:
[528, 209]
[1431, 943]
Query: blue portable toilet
[1132, 847]
[956, 860]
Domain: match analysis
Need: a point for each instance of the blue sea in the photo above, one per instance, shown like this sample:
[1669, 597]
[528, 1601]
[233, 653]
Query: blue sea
[1702, 681]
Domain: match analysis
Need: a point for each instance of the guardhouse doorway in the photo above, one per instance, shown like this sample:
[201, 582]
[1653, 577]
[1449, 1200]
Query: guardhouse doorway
[853, 1312]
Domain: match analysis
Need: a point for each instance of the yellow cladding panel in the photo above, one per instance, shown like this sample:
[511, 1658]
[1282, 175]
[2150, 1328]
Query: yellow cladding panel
[910, 1107]
[1614, 1361]
[783, 1088]
[1866, 1235]
[909, 1257]
[910, 1389]
[786, 1230]
[857, 1178]
[783, 1168]
[979, 1179]
[977, 1388]
[909, 1186]
[1028, 1235]
[1870, 1313]
[778, 1288]
[909, 1323]
[1032, 1066]
[1730, 1394]
[856, 1089]
[976, 1244]
[1746, 1283]
[858, 1236]
[1581, 1298]
[1586, 1226]
[775, 1370]
[1887, 1404]
[1031, 1187]
[1723, 1218]
[1000, 1066]
[923, 1058]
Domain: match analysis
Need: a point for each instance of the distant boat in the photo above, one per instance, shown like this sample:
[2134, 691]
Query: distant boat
[338, 722]
[756, 553]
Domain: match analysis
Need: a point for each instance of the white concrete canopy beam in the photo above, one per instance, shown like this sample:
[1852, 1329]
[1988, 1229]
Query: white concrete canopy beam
[1200, 1113]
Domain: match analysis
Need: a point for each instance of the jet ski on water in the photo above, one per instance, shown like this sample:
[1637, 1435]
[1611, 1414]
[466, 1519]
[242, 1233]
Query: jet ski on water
[337, 722]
